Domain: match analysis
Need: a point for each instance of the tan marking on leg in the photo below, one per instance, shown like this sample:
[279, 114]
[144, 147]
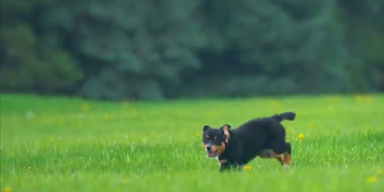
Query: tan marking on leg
[287, 160]
[280, 158]
[269, 153]
[221, 161]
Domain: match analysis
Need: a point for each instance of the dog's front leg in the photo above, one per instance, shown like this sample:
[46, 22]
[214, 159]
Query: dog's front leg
[225, 166]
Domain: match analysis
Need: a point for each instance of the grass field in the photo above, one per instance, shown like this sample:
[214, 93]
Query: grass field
[61, 144]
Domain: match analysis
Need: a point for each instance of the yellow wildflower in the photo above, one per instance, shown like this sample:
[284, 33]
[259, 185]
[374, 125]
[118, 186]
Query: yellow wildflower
[369, 99]
[85, 107]
[107, 117]
[371, 179]
[275, 104]
[358, 98]
[301, 136]
[303, 114]
[212, 113]
[331, 109]
[247, 167]
[363, 98]
[7, 189]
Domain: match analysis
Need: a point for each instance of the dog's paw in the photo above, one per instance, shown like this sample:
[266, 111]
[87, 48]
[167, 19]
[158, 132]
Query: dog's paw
[286, 166]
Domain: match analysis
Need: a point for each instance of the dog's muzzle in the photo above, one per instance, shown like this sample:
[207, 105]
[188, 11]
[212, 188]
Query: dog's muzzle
[210, 151]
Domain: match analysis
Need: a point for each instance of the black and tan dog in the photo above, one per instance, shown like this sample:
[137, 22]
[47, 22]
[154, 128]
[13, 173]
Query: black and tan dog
[263, 137]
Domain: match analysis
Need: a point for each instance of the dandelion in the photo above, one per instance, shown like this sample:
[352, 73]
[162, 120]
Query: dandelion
[363, 98]
[7, 189]
[85, 107]
[358, 98]
[247, 167]
[369, 99]
[371, 179]
[302, 114]
[331, 109]
[301, 136]
[275, 104]
[212, 114]
[107, 117]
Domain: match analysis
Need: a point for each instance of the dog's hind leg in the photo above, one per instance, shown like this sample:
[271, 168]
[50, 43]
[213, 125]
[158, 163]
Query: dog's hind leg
[279, 147]
[280, 159]
[283, 149]
[269, 153]
[287, 155]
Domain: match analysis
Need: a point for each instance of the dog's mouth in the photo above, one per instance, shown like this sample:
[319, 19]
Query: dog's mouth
[212, 153]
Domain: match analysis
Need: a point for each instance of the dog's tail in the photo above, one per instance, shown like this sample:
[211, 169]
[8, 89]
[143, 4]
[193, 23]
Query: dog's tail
[290, 116]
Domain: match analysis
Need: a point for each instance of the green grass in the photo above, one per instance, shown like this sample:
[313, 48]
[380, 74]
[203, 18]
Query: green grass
[62, 144]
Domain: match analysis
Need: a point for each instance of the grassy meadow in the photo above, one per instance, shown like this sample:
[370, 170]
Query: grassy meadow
[60, 144]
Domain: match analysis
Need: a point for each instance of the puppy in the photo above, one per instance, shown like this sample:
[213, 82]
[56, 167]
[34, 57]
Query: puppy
[264, 137]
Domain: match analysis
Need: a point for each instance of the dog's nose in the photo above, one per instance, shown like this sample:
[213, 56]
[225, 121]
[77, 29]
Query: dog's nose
[209, 148]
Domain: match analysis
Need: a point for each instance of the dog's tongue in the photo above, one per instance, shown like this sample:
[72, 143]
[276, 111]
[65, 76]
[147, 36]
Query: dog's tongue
[210, 154]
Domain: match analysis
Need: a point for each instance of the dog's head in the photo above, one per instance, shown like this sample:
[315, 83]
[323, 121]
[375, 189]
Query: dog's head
[215, 140]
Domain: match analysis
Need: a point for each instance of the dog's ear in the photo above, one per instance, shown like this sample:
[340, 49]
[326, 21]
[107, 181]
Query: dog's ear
[225, 128]
[206, 127]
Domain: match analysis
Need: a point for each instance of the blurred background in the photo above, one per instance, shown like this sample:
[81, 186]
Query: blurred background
[167, 49]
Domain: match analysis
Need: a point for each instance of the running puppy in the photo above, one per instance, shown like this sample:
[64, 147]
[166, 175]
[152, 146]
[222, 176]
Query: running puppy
[263, 137]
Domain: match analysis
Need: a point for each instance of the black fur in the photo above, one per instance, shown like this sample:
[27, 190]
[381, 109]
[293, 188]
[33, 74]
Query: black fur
[252, 139]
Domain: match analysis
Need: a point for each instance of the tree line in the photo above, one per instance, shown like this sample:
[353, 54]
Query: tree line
[155, 50]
